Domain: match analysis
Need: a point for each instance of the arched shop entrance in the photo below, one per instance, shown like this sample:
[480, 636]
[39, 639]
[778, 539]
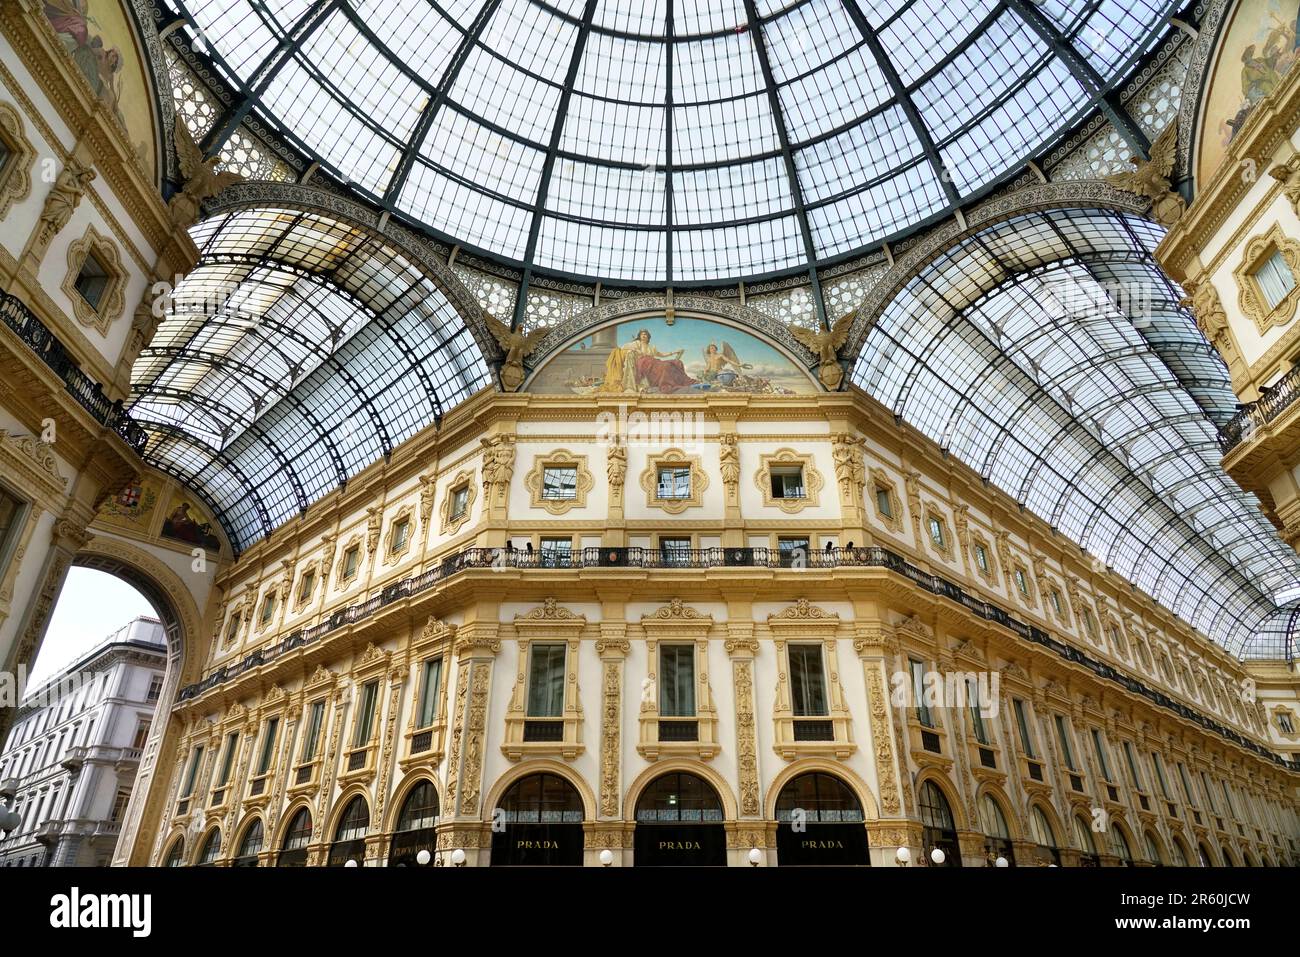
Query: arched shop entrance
[350, 834]
[415, 826]
[250, 846]
[679, 823]
[293, 852]
[939, 832]
[540, 824]
[819, 820]
[997, 836]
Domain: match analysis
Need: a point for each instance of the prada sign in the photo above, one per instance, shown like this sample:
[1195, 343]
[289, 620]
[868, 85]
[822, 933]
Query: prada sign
[843, 845]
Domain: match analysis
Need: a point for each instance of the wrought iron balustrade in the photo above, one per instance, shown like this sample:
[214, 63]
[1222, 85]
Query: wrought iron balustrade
[1263, 410]
[88, 393]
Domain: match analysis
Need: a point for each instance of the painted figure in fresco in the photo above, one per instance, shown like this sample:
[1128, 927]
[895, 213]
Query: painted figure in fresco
[640, 367]
[182, 526]
[1263, 65]
[101, 65]
[722, 366]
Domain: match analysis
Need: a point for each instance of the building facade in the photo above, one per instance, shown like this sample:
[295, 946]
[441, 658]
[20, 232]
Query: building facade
[70, 760]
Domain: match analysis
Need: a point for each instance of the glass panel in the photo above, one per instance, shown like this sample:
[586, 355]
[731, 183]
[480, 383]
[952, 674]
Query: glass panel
[430, 682]
[807, 680]
[677, 681]
[546, 681]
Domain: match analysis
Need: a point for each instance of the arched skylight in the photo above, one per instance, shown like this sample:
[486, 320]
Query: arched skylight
[1049, 353]
[299, 351]
[673, 140]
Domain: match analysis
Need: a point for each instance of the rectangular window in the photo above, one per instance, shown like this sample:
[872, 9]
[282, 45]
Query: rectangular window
[1063, 738]
[1134, 772]
[1274, 279]
[1187, 784]
[560, 483]
[677, 681]
[1103, 761]
[232, 629]
[982, 558]
[1284, 722]
[787, 482]
[311, 740]
[1056, 603]
[92, 280]
[228, 761]
[674, 551]
[792, 550]
[430, 684]
[1090, 623]
[1209, 792]
[192, 774]
[883, 504]
[546, 680]
[1022, 722]
[1227, 798]
[12, 514]
[459, 501]
[923, 714]
[401, 532]
[1022, 583]
[1160, 774]
[976, 715]
[936, 532]
[674, 482]
[807, 681]
[268, 745]
[306, 585]
[350, 560]
[155, 688]
[556, 553]
[366, 715]
[141, 733]
[268, 607]
[119, 806]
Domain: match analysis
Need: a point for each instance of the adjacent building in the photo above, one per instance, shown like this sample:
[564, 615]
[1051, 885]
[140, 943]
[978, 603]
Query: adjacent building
[70, 760]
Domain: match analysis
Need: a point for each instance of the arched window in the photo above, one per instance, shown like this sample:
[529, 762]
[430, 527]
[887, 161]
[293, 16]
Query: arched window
[251, 845]
[1228, 859]
[350, 834]
[1083, 838]
[415, 826]
[939, 831]
[1180, 854]
[997, 836]
[820, 821]
[542, 817]
[1153, 850]
[1041, 829]
[293, 853]
[1117, 843]
[1203, 855]
[1248, 860]
[679, 822]
[176, 856]
[211, 848]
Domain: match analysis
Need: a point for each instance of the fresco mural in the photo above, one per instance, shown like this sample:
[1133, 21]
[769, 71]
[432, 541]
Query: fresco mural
[185, 522]
[132, 507]
[1259, 46]
[687, 357]
[97, 36]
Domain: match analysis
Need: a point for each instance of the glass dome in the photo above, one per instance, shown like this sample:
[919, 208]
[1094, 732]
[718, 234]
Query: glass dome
[674, 141]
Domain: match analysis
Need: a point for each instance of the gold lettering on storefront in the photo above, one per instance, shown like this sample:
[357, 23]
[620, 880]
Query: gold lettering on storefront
[679, 845]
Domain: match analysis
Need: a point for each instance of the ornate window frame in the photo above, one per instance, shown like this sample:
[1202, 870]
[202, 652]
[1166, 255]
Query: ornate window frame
[785, 458]
[669, 458]
[805, 623]
[322, 686]
[679, 624]
[437, 639]
[1275, 719]
[559, 458]
[269, 598]
[1020, 572]
[371, 666]
[240, 614]
[1057, 600]
[16, 178]
[989, 574]
[301, 601]
[341, 580]
[547, 624]
[450, 524]
[879, 478]
[113, 301]
[934, 512]
[1259, 249]
[393, 555]
[275, 704]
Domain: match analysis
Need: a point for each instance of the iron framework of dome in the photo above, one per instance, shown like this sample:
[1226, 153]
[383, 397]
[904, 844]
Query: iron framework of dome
[674, 142]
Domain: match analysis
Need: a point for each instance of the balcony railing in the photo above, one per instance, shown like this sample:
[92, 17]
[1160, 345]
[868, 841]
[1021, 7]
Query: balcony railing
[704, 558]
[1265, 409]
[88, 393]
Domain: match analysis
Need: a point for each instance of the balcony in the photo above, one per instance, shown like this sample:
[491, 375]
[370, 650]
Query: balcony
[9, 787]
[74, 759]
[1262, 411]
[88, 393]
[127, 759]
[48, 832]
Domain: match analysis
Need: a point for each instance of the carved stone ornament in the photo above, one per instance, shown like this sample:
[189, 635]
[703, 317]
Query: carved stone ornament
[676, 610]
[16, 174]
[550, 609]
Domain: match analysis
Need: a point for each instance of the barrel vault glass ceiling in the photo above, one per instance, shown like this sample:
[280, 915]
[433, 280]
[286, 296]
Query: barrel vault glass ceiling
[685, 141]
[1050, 354]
